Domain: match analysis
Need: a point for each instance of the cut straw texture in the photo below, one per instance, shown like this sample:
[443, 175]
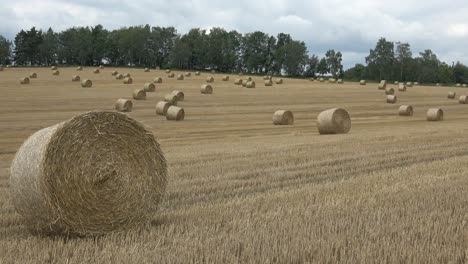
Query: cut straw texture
[435, 114]
[124, 105]
[405, 110]
[96, 173]
[206, 89]
[86, 83]
[334, 121]
[175, 113]
[283, 117]
[162, 107]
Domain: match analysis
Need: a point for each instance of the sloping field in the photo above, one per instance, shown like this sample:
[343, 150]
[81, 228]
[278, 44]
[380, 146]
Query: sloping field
[394, 189]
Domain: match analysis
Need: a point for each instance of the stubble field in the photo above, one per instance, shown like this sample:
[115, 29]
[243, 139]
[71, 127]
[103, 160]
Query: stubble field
[241, 190]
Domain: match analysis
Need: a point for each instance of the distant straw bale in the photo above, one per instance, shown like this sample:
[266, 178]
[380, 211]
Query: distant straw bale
[124, 105]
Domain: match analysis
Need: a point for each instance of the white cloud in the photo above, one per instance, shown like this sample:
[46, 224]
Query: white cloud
[352, 27]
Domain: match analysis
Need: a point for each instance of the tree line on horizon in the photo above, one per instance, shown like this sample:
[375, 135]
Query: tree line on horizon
[221, 50]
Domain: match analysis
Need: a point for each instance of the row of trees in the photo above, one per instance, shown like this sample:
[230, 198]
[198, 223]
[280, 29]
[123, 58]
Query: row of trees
[145, 46]
[395, 61]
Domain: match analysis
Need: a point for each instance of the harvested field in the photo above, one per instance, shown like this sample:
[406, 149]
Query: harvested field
[241, 190]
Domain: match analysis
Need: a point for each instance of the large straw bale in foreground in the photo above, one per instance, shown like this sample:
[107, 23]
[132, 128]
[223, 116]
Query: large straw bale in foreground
[175, 113]
[96, 173]
[124, 105]
[283, 117]
[435, 114]
[334, 121]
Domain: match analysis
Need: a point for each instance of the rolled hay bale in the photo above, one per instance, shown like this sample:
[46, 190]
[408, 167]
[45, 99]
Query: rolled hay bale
[171, 75]
[128, 80]
[101, 67]
[283, 117]
[268, 82]
[197, 73]
[139, 94]
[225, 78]
[180, 95]
[451, 95]
[244, 83]
[396, 83]
[171, 99]
[157, 80]
[405, 110]
[435, 114]
[463, 99]
[119, 77]
[56, 73]
[340, 81]
[416, 83]
[24, 80]
[86, 83]
[409, 84]
[188, 74]
[147, 70]
[458, 85]
[79, 68]
[33, 75]
[238, 81]
[389, 91]
[76, 78]
[391, 99]
[149, 87]
[402, 87]
[124, 105]
[161, 107]
[249, 79]
[383, 85]
[168, 71]
[180, 77]
[96, 71]
[113, 180]
[209, 79]
[206, 89]
[213, 71]
[322, 80]
[127, 75]
[250, 84]
[332, 80]
[465, 85]
[54, 68]
[175, 113]
[334, 121]
[8, 66]
[363, 82]
[279, 81]
[438, 84]
[114, 73]
[265, 78]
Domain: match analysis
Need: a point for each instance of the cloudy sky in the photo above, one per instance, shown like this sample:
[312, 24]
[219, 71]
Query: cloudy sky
[350, 26]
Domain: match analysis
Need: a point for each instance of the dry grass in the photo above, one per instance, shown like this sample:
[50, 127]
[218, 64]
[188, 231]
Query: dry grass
[243, 190]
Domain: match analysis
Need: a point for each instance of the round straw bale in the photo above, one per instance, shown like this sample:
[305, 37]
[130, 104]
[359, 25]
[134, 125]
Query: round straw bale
[458, 85]
[463, 99]
[128, 80]
[238, 82]
[244, 83]
[180, 77]
[114, 73]
[171, 98]
[56, 73]
[197, 73]
[180, 95]
[127, 75]
[147, 70]
[389, 91]
[209, 79]
[451, 95]
[416, 83]
[188, 74]
[322, 80]
[168, 71]
[206, 89]
[383, 85]
[171, 75]
[149, 87]
[279, 81]
[250, 84]
[391, 99]
[268, 82]
[119, 77]
[96, 71]
[435, 114]
[139, 94]
[405, 110]
[334, 121]
[312, 79]
[225, 78]
[409, 84]
[96, 173]
[340, 81]
[1, 68]
[24, 80]
[283, 117]
[79, 68]
[213, 71]
[161, 107]
[54, 68]
[86, 83]
[8, 66]
[402, 87]
[437, 84]
[396, 83]
[175, 113]
[464, 85]
[363, 82]
[158, 80]
[101, 67]
[76, 78]
[33, 75]
[265, 78]
[123, 105]
[332, 80]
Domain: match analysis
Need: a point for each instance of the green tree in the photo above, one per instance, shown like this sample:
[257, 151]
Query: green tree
[322, 67]
[255, 51]
[295, 58]
[311, 67]
[380, 60]
[403, 56]
[180, 55]
[5, 50]
[334, 63]
[48, 48]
